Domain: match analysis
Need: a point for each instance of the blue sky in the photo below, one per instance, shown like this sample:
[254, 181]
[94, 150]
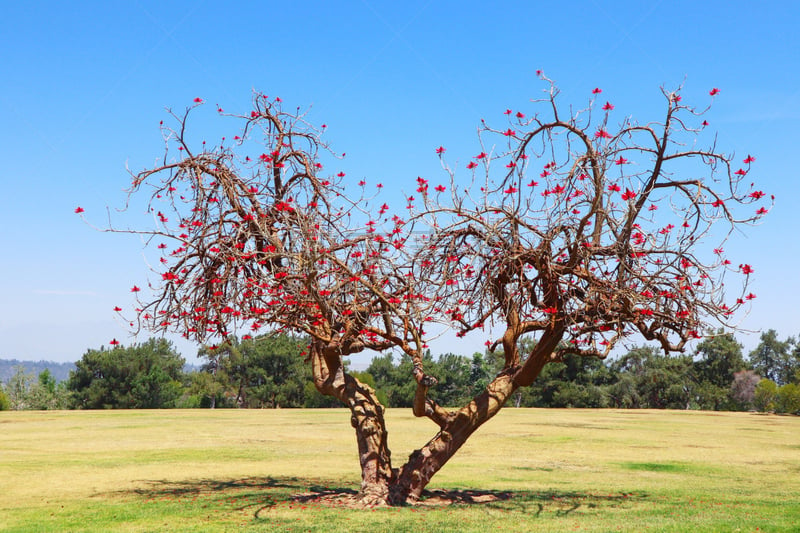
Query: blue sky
[84, 86]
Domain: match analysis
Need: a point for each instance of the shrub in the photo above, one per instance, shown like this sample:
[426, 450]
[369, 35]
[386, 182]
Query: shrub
[5, 403]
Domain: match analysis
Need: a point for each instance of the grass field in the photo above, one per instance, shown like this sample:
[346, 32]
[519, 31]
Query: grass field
[252, 470]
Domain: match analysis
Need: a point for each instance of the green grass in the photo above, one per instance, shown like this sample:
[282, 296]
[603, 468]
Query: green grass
[258, 470]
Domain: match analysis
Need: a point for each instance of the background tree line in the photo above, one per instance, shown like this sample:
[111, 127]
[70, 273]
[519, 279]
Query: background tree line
[269, 372]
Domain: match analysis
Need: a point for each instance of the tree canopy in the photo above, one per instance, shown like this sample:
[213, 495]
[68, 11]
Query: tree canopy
[140, 376]
[572, 229]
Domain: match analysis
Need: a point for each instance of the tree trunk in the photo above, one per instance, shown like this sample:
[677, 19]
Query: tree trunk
[366, 417]
[382, 485]
[422, 464]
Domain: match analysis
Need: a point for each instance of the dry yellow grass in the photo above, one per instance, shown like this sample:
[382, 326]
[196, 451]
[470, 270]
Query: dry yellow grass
[710, 470]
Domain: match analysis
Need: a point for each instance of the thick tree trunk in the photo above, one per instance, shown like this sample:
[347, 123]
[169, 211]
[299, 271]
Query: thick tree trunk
[366, 417]
[382, 485]
[422, 464]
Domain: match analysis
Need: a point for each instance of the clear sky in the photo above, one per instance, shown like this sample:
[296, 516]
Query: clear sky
[85, 84]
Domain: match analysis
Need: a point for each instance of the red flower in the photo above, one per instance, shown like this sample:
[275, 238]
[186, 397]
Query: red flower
[762, 211]
[198, 100]
[746, 269]
[472, 164]
[79, 210]
[440, 188]
[480, 155]
[621, 161]
[740, 172]
[597, 90]
[510, 190]
[749, 159]
[601, 134]
[714, 91]
[440, 150]
[608, 107]
[135, 289]
[614, 187]
[509, 132]
[628, 194]
[113, 342]
[117, 309]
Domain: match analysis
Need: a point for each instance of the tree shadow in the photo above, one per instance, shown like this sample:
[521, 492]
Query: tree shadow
[261, 494]
[563, 503]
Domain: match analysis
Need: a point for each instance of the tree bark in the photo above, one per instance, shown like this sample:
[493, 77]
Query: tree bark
[380, 483]
[422, 464]
[366, 417]
[414, 476]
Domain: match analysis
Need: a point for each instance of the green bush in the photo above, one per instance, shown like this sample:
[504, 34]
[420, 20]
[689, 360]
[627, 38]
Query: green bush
[788, 399]
[5, 403]
[766, 395]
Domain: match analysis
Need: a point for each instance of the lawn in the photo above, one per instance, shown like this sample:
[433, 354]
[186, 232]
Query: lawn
[527, 469]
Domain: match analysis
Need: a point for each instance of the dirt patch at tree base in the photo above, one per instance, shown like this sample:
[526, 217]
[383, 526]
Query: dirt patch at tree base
[349, 499]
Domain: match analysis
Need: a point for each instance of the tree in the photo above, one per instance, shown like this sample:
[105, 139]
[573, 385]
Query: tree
[765, 396]
[18, 389]
[392, 380]
[720, 357]
[649, 379]
[788, 400]
[773, 359]
[743, 388]
[5, 402]
[556, 236]
[574, 381]
[41, 393]
[265, 371]
[141, 376]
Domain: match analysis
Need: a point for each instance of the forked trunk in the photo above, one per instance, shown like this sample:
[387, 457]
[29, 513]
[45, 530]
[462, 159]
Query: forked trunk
[422, 464]
[382, 485]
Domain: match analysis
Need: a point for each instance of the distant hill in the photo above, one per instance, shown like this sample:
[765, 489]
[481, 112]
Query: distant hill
[60, 371]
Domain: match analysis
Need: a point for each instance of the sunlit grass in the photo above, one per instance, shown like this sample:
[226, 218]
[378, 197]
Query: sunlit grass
[550, 470]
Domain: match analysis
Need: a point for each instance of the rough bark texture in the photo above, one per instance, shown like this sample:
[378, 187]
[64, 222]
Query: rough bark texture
[422, 464]
[366, 418]
[456, 428]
